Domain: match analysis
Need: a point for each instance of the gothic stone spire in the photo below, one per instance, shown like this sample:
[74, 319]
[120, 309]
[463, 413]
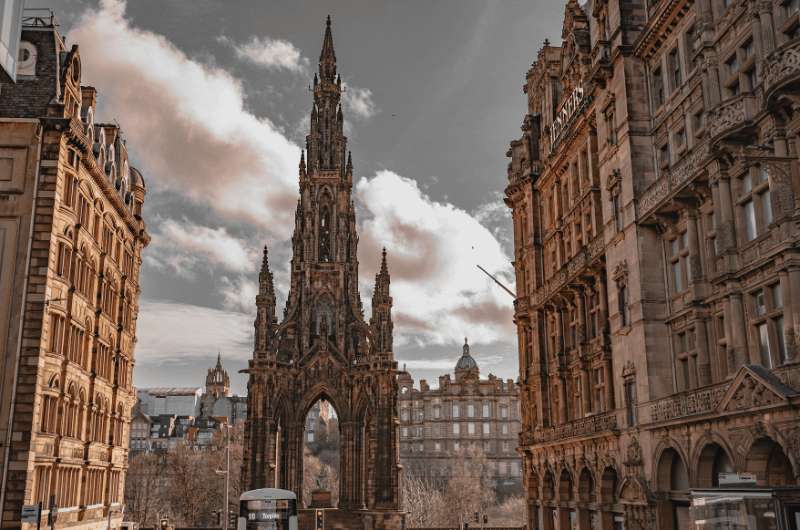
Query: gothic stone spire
[326, 143]
[265, 305]
[327, 57]
[381, 321]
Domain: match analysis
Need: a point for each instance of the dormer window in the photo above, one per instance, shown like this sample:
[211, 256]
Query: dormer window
[26, 62]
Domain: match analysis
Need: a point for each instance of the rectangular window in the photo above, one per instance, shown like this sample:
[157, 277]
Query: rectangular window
[455, 410]
[487, 428]
[676, 77]
[504, 428]
[471, 410]
[616, 211]
[622, 301]
[471, 428]
[437, 412]
[630, 402]
[456, 445]
[678, 258]
[763, 345]
[658, 87]
[504, 411]
[456, 429]
[485, 409]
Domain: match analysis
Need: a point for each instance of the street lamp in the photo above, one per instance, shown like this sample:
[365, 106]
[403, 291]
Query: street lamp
[227, 473]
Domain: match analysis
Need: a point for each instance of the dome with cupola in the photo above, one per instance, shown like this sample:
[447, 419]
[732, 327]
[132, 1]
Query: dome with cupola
[466, 365]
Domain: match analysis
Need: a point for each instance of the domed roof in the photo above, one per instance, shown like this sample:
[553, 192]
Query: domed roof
[466, 362]
[136, 178]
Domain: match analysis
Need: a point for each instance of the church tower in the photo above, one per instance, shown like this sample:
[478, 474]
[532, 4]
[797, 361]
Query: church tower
[218, 383]
[323, 348]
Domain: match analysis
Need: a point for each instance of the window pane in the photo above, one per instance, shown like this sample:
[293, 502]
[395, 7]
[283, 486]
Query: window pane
[677, 276]
[777, 296]
[760, 302]
[781, 342]
[750, 220]
[766, 205]
[763, 340]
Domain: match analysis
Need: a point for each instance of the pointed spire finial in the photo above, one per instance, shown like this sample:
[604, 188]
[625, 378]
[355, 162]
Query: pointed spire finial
[327, 57]
[466, 347]
[219, 360]
[384, 266]
[265, 260]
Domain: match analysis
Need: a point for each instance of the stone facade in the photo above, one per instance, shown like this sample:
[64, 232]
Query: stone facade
[438, 424]
[71, 236]
[324, 348]
[655, 195]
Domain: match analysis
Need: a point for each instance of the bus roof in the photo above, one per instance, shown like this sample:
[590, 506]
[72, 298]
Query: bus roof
[267, 493]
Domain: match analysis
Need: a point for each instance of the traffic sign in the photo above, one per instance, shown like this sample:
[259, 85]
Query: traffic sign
[30, 513]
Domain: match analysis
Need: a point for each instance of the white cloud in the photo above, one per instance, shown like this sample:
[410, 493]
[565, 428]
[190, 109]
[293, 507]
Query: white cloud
[174, 331]
[359, 101]
[184, 246]
[239, 294]
[439, 294]
[186, 124]
[273, 54]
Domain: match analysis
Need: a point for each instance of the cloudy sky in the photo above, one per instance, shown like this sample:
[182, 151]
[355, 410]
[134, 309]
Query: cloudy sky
[213, 98]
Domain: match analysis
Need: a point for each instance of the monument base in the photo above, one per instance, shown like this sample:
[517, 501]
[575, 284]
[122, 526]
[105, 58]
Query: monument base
[336, 519]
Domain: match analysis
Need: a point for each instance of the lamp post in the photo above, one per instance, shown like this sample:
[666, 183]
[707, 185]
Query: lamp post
[227, 473]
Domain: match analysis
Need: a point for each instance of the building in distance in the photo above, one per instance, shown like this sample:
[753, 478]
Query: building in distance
[436, 424]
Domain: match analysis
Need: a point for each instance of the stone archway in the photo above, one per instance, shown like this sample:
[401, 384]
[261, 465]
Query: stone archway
[767, 460]
[712, 460]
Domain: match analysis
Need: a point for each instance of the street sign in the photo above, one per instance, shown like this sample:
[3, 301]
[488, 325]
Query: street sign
[30, 513]
[728, 479]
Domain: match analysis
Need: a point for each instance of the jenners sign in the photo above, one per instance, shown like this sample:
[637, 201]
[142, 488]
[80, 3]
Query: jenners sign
[573, 105]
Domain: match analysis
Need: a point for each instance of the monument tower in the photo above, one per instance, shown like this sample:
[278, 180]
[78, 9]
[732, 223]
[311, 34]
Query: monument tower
[324, 348]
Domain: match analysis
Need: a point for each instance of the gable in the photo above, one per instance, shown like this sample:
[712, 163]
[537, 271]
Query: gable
[754, 387]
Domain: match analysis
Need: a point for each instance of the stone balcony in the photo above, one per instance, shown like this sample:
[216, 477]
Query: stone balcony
[781, 69]
[591, 425]
[689, 403]
[732, 116]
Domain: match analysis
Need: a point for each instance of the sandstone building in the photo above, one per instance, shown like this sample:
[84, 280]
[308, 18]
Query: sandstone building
[71, 236]
[655, 192]
[438, 424]
[324, 348]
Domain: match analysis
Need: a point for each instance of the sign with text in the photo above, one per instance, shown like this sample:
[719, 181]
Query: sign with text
[572, 106]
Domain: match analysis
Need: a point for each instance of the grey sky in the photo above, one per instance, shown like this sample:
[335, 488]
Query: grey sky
[445, 78]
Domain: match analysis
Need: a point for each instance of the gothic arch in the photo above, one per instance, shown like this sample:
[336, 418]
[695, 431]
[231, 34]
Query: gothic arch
[566, 485]
[586, 486]
[767, 459]
[609, 486]
[712, 455]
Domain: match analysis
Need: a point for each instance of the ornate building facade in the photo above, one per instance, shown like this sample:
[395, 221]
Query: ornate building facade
[324, 348]
[438, 425]
[71, 236]
[655, 192]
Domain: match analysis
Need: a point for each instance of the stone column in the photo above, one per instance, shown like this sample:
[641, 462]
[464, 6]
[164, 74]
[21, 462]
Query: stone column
[586, 392]
[608, 375]
[738, 329]
[602, 297]
[726, 232]
[703, 358]
[581, 308]
[766, 28]
[562, 399]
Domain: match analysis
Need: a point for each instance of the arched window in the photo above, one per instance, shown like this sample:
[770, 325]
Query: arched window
[325, 234]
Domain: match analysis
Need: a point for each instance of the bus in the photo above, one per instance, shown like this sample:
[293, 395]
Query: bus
[267, 509]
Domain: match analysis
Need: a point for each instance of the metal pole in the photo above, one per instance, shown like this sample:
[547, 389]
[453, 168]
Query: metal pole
[227, 472]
